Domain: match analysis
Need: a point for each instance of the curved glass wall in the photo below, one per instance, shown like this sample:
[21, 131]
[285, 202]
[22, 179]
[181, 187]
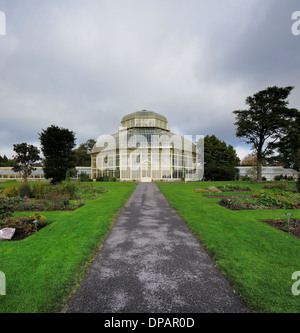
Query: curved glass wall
[143, 150]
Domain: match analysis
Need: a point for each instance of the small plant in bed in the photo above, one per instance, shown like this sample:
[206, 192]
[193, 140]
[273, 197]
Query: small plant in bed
[281, 186]
[239, 203]
[24, 226]
[234, 188]
[56, 201]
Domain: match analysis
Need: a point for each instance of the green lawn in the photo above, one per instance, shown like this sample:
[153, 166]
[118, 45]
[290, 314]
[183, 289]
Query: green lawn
[43, 269]
[257, 259]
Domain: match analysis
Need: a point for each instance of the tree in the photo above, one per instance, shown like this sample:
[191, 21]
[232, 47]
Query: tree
[220, 159]
[288, 148]
[5, 162]
[27, 156]
[265, 121]
[57, 145]
[250, 159]
[82, 158]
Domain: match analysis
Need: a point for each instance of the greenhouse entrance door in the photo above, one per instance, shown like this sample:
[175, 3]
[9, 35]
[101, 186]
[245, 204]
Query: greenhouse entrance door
[146, 172]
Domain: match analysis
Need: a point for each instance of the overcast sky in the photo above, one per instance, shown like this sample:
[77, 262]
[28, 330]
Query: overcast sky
[84, 64]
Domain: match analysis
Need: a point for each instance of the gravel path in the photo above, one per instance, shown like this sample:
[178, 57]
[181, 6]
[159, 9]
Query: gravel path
[152, 263]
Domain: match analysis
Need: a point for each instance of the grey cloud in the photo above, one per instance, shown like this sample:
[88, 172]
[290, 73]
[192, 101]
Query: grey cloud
[84, 64]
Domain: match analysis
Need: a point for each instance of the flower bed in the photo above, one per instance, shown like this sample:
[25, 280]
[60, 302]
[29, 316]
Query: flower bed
[50, 203]
[292, 228]
[234, 188]
[24, 226]
[224, 188]
[281, 186]
[227, 196]
[275, 199]
[39, 197]
[278, 198]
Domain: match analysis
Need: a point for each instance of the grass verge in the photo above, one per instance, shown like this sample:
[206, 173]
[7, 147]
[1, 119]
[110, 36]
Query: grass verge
[257, 259]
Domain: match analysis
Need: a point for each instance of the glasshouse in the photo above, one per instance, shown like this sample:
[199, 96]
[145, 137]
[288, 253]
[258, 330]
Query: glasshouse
[268, 172]
[144, 149]
[6, 173]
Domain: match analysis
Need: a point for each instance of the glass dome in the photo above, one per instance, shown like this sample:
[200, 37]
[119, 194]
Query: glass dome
[144, 118]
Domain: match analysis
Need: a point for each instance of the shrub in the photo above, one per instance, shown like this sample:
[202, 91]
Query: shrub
[68, 189]
[84, 177]
[68, 176]
[56, 201]
[213, 189]
[102, 179]
[229, 188]
[217, 172]
[244, 178]
[6, 208]
[32, 206]
[37, 191]
[238, 203]
[41, 220]
[24, 190]
[12, 191]
[281, 186]
[298, 185]
[19, 205]
[106, 179]
[201, 190]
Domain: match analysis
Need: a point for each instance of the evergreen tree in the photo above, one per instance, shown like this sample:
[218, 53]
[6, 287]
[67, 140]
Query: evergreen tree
[57, 146]
[220, 159]
[6, 162]
[265, 121]
[288, 147]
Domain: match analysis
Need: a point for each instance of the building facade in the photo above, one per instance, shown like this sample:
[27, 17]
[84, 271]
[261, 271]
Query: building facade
[144, 149]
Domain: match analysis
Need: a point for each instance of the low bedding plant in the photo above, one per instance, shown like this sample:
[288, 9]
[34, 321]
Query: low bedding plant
[275, 199]
[234, 188]
[224, 188]
[24, 225]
